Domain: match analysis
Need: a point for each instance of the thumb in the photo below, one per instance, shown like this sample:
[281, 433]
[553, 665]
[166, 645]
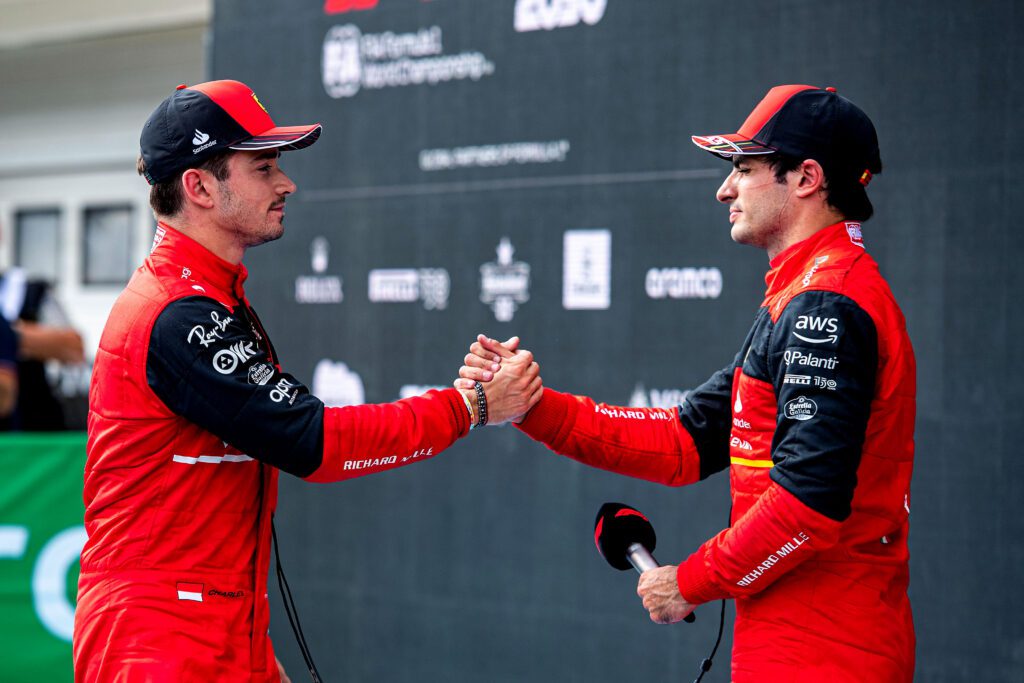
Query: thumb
[512, 343]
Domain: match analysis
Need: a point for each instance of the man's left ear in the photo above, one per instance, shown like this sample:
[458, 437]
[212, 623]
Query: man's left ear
[812, 178]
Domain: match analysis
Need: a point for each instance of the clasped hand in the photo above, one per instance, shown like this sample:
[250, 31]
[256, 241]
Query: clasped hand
[509, 375]
[491, 363]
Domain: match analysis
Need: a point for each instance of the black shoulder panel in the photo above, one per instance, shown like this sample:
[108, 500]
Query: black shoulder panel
[206, 364]
[823, 359]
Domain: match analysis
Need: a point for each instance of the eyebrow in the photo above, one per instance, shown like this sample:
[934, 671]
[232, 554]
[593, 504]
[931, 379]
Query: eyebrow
[269, 154]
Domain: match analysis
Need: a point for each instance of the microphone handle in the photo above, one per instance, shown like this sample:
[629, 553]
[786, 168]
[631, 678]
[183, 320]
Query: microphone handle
[642, 560]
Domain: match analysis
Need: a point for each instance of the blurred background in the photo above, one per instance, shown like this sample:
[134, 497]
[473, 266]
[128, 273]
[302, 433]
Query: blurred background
[517, 167]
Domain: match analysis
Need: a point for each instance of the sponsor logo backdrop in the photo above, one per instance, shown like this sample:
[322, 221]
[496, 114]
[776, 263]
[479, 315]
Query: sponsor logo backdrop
[524, 167]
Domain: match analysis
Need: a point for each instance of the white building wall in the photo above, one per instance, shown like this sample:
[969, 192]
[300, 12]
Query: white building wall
[77, 81]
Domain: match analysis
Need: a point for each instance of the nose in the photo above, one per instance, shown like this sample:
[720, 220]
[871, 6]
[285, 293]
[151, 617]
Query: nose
[285, 184]
[727, 192]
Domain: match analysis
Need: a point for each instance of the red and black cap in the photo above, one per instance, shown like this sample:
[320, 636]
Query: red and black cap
[808, 123]
[196, 122]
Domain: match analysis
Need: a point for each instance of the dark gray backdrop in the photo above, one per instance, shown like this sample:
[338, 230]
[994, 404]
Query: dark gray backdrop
[479, 565]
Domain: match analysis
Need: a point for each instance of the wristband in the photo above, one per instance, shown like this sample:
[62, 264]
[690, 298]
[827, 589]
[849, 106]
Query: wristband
[469, 408]
[481, 404]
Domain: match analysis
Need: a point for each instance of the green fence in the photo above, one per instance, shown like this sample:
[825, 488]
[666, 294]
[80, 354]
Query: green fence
[41, 536]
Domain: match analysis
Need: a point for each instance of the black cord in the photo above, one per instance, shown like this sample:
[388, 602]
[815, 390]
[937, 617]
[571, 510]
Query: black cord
[292, 612]
[705, 665]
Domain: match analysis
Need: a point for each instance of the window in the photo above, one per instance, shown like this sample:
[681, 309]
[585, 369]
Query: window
[37, 243]
[107, 245]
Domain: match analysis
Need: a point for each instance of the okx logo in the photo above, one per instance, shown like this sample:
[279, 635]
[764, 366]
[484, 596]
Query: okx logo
[226, 360]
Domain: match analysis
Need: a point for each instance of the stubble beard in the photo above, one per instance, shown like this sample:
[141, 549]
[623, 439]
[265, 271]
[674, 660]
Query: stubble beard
[250, 231]
[768, 228]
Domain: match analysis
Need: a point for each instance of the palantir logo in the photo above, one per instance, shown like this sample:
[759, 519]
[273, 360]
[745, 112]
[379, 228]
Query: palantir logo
[200, 137]
[534, 15]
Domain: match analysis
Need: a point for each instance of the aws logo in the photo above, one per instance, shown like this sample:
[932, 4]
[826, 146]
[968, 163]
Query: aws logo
[826, 330]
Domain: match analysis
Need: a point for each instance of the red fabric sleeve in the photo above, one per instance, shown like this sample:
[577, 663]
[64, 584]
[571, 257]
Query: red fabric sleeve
[360, 440]
[647, 443]
[776, 535]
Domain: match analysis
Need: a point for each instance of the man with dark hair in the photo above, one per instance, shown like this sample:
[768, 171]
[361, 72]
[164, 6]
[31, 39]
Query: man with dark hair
[814, 417]
[191, 414]
[167, 198]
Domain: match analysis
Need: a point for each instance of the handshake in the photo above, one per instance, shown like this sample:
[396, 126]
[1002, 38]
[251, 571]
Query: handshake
[509, 379]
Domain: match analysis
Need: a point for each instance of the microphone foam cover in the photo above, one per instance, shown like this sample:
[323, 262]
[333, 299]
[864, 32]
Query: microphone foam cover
[616, 528]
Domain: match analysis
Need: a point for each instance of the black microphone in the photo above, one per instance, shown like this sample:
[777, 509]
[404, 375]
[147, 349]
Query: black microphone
[625, 538]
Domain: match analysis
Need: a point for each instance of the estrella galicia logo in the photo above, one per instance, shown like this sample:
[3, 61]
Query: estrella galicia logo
[260, 374]
[801, 408]
[226, 360]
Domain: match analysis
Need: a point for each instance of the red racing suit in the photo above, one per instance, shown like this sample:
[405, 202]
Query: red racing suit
[815, 420]
[191, 417]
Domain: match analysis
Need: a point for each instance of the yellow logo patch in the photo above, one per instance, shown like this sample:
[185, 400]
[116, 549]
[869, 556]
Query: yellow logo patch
[260, 103]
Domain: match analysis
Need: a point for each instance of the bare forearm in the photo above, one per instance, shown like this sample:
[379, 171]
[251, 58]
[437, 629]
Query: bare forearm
[42, 342]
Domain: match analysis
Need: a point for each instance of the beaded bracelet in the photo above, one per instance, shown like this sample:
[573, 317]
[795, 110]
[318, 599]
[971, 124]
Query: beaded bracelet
[481, 404]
